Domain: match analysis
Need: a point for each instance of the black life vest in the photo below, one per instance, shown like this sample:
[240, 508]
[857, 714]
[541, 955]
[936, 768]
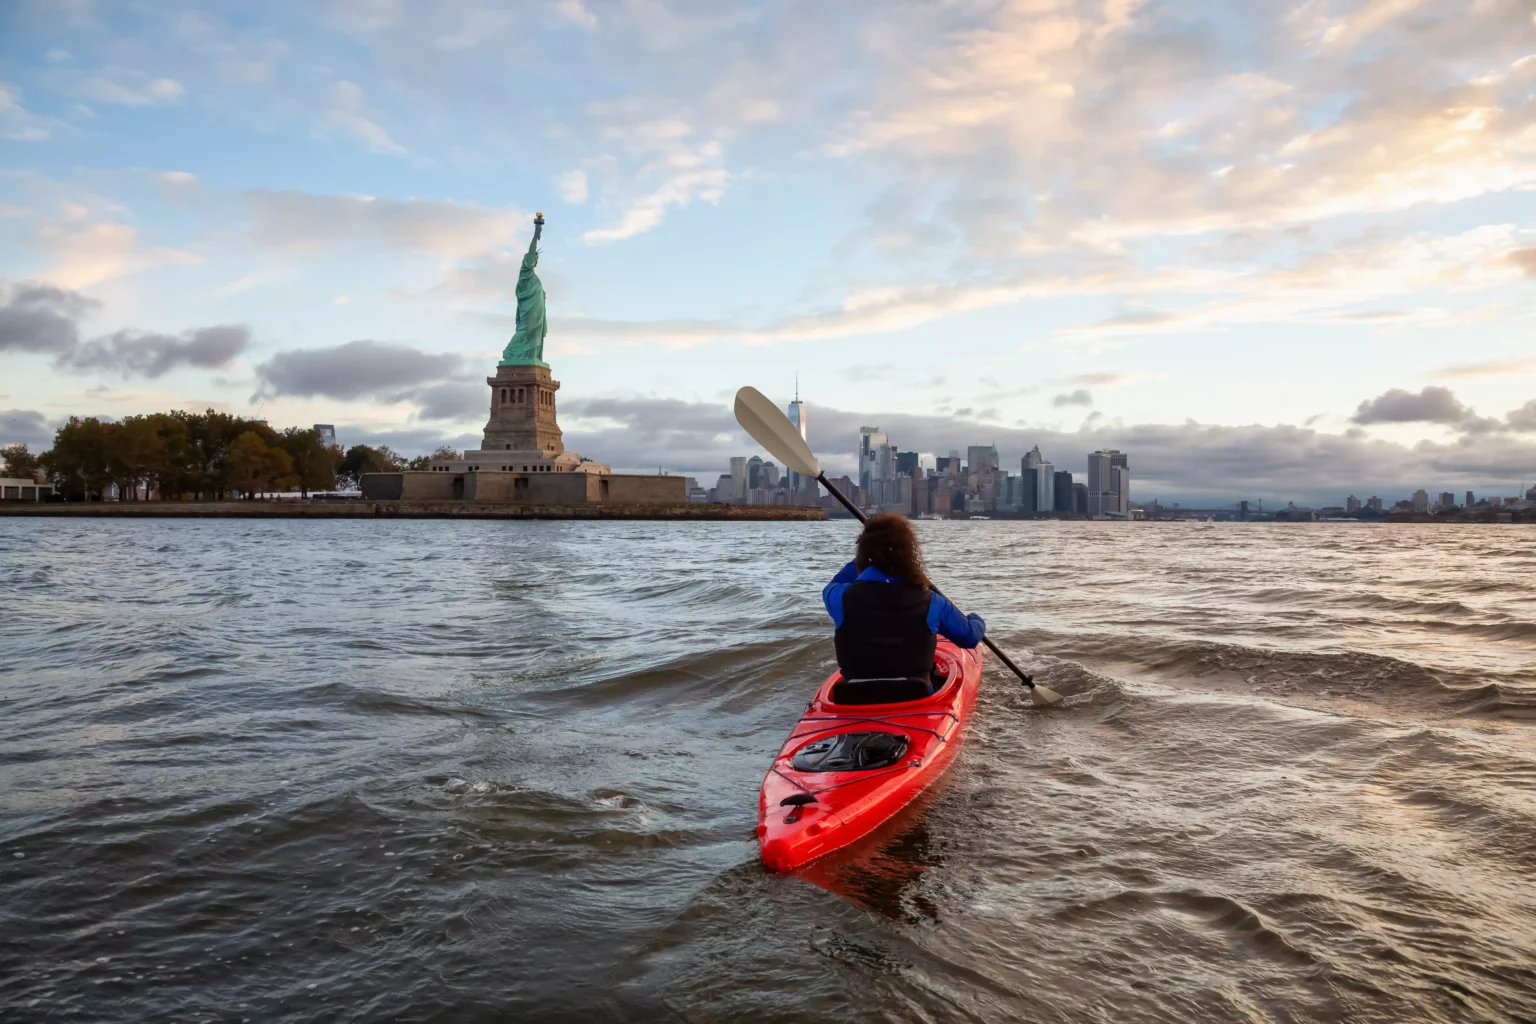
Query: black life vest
[885, 632]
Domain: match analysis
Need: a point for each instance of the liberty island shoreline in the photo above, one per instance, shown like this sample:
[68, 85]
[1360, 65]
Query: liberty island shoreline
[366, 509]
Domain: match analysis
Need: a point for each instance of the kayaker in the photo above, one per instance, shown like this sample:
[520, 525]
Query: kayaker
[887, 619]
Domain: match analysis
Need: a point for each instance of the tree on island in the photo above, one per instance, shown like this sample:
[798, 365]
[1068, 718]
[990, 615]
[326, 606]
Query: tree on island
[444, 453]
[182, 454]
[314, 464]
[361, 458]
[169, 456]
[20, 463]
[79, 461]
[257, 466]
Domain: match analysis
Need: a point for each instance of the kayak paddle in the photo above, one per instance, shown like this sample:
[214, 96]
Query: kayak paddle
[771, 428]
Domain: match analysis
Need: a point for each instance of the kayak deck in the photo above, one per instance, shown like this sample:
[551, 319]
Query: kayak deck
[805, 814]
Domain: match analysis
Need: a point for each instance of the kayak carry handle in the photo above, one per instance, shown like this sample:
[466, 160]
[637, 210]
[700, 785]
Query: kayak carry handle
[796, 803]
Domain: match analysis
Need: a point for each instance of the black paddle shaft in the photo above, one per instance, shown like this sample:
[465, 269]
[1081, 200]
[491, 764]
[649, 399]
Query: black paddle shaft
[861, 517]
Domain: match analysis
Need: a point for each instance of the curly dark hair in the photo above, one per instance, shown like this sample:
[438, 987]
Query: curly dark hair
[889, 544]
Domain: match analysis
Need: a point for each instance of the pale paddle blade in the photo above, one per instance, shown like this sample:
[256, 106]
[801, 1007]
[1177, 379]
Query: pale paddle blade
[1044, 695]
[771, 428]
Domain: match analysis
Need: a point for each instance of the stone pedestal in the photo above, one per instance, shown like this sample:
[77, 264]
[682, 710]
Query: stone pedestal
[523, 411]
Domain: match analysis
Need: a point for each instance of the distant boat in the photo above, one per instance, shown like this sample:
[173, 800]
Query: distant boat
[981, 517]
[929, 515]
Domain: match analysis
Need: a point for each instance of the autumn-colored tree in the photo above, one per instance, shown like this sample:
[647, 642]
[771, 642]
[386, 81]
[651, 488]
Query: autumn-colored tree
[255, 466]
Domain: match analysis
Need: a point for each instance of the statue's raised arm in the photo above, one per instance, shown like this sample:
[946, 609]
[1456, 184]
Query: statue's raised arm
[538, 229]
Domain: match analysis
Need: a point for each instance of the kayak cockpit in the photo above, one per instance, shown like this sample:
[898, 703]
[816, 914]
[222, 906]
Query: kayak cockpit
[863, 692]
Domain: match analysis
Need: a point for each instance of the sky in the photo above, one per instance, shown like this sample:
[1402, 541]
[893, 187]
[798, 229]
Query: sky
[1273, 250]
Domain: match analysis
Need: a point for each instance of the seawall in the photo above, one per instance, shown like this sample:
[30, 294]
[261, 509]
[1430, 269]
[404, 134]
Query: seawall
[406, 510]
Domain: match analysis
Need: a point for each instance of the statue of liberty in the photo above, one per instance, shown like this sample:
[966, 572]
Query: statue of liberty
[527, 345]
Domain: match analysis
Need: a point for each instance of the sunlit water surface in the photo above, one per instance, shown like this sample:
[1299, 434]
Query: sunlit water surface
[434, 771]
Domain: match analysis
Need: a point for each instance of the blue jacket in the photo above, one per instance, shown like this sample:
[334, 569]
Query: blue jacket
[943, 618]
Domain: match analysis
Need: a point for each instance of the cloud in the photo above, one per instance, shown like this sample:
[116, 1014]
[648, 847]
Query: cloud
[1523, 419]
[1431, 405]
[573, 186]
[435, 382]
[25, 426]
[451, 400]
[1126, 125]
[407, 441]
[348, 116]
[300, 221]
[148, 354]
[126, 88]
[41, 317]
[1525, 259]
[87, 243]
[639, 432]
[1339, 284]
[576, 12]
[1101, 379]
[674, 169]
[1491, 368]
[357, 369]
[44, 318]
[16, 123]
[1078, 397]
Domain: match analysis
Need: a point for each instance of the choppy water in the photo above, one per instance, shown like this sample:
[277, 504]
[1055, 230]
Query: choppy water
[507, 771]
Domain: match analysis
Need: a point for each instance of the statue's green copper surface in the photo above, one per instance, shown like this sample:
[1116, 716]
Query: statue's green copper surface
[527, 346]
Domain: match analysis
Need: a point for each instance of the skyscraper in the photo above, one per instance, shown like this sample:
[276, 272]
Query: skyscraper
[1470, 502]
[1045, 496]
[1421, 500]
[981, 474]
[738, 477]
[1351, 504]
[1098, 483]
[870, 441]
[1109, 483]
[1062, 491]
[1029, 486]
[1447, 499]
[797, 417]
[1120, 479]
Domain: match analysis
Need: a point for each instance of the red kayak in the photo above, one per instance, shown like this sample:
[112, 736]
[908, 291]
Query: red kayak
[863, 751]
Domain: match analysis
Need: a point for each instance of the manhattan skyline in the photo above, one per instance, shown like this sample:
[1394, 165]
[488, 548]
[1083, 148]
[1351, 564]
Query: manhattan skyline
[1283, 256]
